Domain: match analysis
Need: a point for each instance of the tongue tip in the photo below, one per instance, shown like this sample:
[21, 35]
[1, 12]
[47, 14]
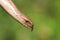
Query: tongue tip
[32, 28]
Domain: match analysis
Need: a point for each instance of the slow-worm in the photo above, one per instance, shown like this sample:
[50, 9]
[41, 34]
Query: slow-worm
[10, 7]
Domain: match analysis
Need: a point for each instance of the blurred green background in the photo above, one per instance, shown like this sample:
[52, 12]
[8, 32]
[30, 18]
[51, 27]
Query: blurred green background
[45, 14]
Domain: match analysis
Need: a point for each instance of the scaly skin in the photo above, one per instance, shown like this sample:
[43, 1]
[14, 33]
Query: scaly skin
[9, 6]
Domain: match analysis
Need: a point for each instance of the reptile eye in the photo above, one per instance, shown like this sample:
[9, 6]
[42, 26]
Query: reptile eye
[28, 23]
